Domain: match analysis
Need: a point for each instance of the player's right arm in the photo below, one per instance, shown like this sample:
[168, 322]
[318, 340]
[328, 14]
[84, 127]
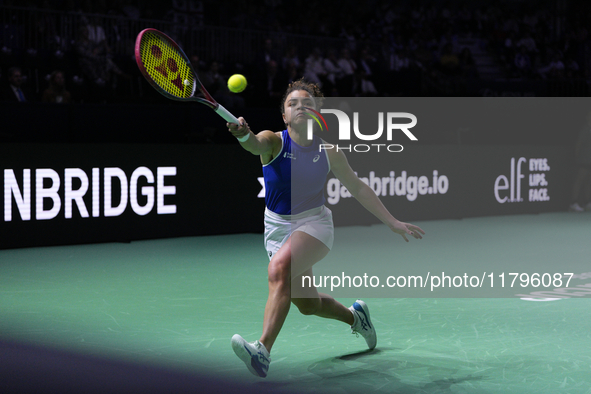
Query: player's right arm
[263, 144]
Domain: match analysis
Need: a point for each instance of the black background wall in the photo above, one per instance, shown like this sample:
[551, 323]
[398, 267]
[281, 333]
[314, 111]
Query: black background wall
[216, 188]
[214, 184]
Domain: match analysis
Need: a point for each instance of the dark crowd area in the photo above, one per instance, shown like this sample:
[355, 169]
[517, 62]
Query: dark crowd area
[82, 51]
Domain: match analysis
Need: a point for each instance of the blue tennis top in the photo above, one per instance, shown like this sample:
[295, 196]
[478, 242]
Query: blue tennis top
[295, 178]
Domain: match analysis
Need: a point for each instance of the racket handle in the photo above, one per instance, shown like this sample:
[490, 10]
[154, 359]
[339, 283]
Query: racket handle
[221, 111]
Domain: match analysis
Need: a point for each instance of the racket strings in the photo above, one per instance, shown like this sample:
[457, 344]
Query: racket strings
[167, 66]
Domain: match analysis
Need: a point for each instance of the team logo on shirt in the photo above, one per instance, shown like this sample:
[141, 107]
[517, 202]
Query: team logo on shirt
[316, 158]
[289, 155]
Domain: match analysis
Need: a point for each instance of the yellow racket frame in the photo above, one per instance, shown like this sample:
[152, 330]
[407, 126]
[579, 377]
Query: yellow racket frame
[166, 67]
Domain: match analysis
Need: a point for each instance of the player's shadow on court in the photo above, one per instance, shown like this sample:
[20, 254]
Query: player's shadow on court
[379, 370]
[357, 355]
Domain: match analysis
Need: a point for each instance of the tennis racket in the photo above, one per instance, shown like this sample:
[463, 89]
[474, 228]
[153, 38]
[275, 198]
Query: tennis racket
[166, 67]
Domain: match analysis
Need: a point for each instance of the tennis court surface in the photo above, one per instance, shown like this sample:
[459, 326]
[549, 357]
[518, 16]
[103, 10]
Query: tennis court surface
[158, 315]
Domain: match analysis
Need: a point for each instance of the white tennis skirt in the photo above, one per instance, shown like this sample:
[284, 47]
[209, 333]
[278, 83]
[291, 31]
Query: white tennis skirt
[316, 222]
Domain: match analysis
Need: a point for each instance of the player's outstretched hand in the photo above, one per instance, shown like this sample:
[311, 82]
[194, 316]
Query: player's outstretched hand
[238, 130]
[406, 228]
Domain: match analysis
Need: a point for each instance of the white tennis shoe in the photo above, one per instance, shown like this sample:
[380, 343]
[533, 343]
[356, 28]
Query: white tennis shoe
[253, 354]
[362, 324]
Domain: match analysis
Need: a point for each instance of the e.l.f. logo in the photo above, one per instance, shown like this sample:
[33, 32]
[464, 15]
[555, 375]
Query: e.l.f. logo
[502, 183]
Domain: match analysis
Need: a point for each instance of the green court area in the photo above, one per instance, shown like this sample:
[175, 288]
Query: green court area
[175, 304]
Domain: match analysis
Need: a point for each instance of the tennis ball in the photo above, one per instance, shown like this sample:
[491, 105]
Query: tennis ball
[237, 83]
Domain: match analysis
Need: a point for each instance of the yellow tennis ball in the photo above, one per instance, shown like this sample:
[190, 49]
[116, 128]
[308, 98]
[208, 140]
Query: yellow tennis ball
[237, 83]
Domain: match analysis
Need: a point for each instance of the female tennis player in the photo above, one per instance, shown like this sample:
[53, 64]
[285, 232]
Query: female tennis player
[298, 226]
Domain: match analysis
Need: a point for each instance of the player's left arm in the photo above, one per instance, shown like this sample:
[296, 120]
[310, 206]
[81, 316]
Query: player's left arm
[366, 196]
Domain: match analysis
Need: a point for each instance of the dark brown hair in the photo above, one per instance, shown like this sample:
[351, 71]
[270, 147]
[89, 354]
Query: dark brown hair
[309, 87]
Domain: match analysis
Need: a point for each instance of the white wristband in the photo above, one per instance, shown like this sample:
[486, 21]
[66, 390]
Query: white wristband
[244, 138]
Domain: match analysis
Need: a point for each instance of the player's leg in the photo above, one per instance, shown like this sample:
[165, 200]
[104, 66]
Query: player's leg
[310, 302]
[309, 250]
[301, 251]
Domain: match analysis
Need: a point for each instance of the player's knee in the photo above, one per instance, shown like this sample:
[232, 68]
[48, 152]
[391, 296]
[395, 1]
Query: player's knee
[307, 306]
[279, 270]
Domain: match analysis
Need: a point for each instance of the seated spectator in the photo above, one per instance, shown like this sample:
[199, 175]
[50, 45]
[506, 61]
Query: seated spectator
[508, 51]
[367, 63]
[522, 62]
[528, 42]
[94, 60]
[554, 69]
[14, 90]
[571, 68]
[213, 79]
[291, 57]
[467, 64]
[448, 61]
[314, 70]
[291, 73]
[96, 33]
[449, 40]
[531, 20]
[510, 43]
[268, 86]
[349, 67]
[273, 83]
[56, 92]
[268, 54]
[366, 88]
[334, 72]
[398, 60]
[197, 63]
